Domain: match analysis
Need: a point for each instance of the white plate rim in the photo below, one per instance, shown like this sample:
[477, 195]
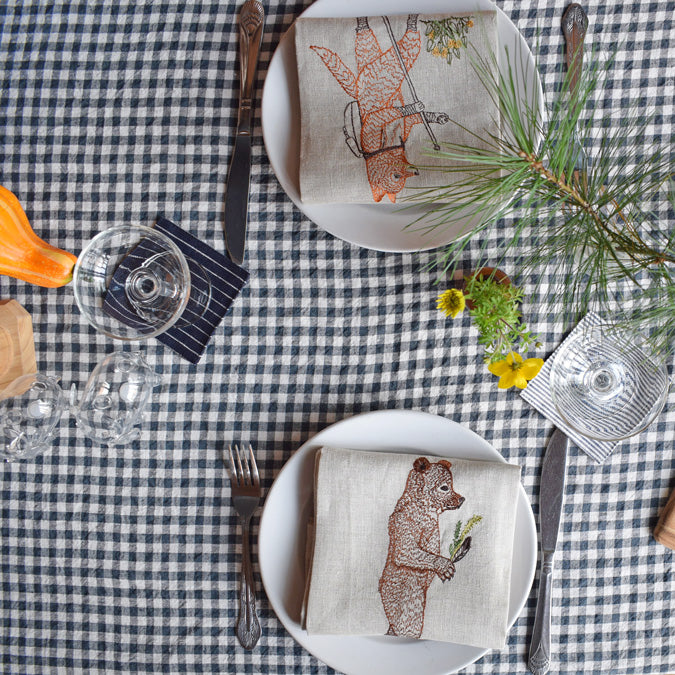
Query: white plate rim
[345, 221]
[390, 419]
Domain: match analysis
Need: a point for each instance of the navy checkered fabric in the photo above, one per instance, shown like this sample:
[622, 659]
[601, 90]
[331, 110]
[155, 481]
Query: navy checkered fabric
[125, 560]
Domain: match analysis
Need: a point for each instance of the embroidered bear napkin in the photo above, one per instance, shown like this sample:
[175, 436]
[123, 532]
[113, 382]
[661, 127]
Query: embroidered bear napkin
[212, 275]
[411, 545]
[378, 93]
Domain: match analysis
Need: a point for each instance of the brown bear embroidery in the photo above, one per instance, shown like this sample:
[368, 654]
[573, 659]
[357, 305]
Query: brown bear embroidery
[414, 556]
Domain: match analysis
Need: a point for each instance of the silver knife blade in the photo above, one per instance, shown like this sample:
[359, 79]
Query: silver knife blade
[552, 490]
[251, 20]
[236, 198]
[551, 497]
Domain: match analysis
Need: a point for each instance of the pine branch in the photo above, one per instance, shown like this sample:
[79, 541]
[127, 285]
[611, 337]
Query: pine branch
[590, 229]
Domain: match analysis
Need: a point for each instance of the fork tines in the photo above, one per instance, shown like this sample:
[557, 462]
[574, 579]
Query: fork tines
[243, 469]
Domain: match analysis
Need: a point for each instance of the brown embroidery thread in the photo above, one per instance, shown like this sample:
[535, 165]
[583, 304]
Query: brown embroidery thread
[414, 558]
[385, 120]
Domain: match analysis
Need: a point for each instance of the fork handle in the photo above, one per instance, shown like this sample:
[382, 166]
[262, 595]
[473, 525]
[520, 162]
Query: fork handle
[248, 626]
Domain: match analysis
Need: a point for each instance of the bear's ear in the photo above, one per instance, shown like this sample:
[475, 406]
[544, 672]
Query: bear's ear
[421, 464]
[445, 463]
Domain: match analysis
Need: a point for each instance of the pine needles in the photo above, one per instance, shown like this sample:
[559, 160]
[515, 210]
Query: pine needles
[592, 234]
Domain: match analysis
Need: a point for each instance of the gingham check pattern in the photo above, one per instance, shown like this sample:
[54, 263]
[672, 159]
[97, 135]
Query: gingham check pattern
[125, 560]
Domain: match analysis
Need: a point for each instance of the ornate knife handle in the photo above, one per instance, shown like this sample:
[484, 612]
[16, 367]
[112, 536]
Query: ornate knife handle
[540, 646]
[248, 626]
[574, 25]
[251, 20]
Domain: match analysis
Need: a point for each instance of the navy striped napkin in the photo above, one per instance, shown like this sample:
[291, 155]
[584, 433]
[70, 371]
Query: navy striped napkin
[190, 334]
[538, 395]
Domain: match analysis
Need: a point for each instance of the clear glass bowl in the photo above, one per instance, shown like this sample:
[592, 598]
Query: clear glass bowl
[115, 398]
[607, 383]
[30, 410]
[133, 282]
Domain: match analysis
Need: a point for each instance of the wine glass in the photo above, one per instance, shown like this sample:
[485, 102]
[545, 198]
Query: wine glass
[607, 383]
[132, 282]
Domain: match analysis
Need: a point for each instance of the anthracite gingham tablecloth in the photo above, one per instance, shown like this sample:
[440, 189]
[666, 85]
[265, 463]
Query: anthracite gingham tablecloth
[126, 560]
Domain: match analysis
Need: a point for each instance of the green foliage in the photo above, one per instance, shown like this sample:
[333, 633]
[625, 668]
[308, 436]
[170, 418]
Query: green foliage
[496, 314]
[462, 534]
[592, 236]
[446, 37]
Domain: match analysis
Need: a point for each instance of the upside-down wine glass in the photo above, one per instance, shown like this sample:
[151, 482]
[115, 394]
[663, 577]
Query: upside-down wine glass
[608, 383]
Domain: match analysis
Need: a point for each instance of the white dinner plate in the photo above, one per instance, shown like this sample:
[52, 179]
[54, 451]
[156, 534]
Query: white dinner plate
[281, 549]
[377, 226]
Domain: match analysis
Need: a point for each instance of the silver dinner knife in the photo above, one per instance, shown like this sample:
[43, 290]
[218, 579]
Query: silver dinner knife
[251, 20]
[551, 496]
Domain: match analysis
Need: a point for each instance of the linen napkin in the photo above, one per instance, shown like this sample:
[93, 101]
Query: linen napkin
[191, 333]
[538, 395]
[378, 93]
[387, 528]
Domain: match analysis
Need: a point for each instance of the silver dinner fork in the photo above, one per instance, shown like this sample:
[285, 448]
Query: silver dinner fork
[245, 482]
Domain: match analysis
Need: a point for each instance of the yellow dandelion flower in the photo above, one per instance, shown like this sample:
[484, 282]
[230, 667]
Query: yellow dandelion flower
[514, 371]
[436, 51]
[469, 23]
[451, 302]
[444, 53]
[431, 35]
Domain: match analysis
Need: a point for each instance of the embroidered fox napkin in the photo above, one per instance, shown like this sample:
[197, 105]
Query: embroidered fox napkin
[378, 93]
[411, 545]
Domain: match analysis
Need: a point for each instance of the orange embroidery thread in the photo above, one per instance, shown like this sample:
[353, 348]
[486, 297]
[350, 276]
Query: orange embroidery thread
[385, 120]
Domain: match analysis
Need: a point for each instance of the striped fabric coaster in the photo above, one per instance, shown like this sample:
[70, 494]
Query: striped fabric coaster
[538, 395]
[191, 333]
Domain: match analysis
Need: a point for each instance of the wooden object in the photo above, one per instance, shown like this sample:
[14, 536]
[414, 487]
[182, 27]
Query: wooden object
[17, 348]
[574, 25]
[664, 532]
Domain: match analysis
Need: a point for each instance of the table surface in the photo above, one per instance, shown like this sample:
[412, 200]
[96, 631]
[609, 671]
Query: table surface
[126, 559]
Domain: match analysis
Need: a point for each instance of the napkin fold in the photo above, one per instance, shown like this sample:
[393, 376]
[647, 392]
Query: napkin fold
[538, 395]
[411, 545]
[378, 93]
[191, 333]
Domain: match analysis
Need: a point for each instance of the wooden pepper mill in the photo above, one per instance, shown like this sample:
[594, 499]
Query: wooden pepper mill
[17, 349]
[664, 532]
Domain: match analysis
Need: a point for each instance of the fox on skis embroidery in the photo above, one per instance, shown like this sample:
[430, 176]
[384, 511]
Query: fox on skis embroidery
[378, 107]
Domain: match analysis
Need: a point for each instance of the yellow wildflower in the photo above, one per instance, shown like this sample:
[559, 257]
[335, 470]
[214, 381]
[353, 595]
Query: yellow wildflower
[431, 35]
[444, 53]
[469, 23]
[451, 302]
[436, 51]
[514, 371]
